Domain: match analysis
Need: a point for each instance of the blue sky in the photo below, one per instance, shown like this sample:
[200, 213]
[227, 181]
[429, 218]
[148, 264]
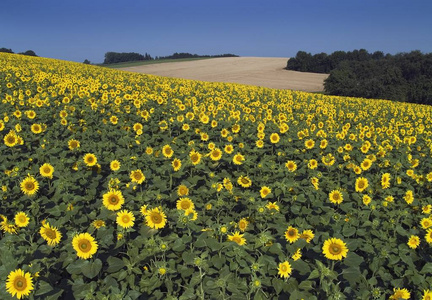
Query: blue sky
[87, 29]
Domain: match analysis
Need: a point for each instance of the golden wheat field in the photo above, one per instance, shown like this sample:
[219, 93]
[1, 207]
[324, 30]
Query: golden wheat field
[117, 185]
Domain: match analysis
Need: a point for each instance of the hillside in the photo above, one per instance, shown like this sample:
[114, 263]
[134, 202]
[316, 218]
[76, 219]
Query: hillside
[259, 71]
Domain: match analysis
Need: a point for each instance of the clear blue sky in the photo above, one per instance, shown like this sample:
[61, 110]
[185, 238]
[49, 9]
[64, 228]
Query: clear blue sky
[87, 29]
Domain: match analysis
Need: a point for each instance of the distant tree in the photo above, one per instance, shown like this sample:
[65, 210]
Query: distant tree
[6, 50]
[86, 61]
[29, 53]
[115, 57]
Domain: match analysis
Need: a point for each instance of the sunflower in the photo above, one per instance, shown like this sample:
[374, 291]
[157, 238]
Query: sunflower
[259, 143]
[385, 180]
[113, 199]
[361, 184]
[229, 149]
[243, 224]
[191, 213]
[334, 249]
[323, 144]
[195, 157]
[238, 159]
[143, 210]
[167, 151]
[284, 269]
[176, 164]
[73, 144]
[336, 197]
[272, 205]
[328, 160]
[274, 138]
[182, 190]
[366, 164]
[413, 242]
[426, 223]
[409, 197]
[400, 294]
[21, 219]
[309, 144]
[125, 218]
[156, 218]
[291, 165]
[50, 234]
[36, 128]
[427, 295]
[366, 199]
[244, 181]
[216, 154]
[297, 255]
[292, 234]
[115, 165]
[315, 182]
[265, 190]
[98, 223]
[307, 235]
[137, 176]
[11, 139]
[29, 186]
[237, 238]
[428, 235]
[90, 159]
[85, 245]
[46, 170]
[19, 283]
[185, 203]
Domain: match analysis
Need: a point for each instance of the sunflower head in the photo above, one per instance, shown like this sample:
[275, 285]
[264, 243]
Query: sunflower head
[19, 283]
[334, 249]
[29, 186]
[155, 218]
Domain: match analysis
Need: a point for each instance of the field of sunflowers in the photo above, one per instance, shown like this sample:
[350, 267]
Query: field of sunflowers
[117, 185]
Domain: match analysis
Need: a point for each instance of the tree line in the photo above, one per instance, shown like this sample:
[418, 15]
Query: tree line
[189, 55]
[403, 77]
[28, 52]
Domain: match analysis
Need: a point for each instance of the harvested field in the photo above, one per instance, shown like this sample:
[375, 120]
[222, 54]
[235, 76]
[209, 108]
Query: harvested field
[259, 71]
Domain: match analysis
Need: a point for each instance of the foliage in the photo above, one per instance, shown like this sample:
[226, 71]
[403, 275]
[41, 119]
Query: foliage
[115, 57]
[189, 55]
[260, 166]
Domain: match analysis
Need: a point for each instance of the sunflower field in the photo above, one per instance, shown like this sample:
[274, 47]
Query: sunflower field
[117, 185]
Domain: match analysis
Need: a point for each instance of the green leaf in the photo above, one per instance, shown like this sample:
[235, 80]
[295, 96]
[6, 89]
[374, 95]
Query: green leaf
[348, 230]
[114, 264]
[92, 269]
[306, 285]
[178, 246]
[314, 274]
[77, 266]
[213, 244]
[278, 285]
[43, 288]
[353, 260]
[352, 274]
[301, 266]
[427, 268]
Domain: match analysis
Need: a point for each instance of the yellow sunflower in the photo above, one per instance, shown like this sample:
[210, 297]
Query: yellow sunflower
[191, 213]
[265, 191]
[85, 245]
[427, 295]
[426, 223]
[115, 165]
[229, 149]
[11, 139]
[98, 223]
[137, 176]
[167, 151]
[309, 144]
[29, 185]
[400, 294]
[216, 154]
[291, 165]
[413, 242]
[334, 249]
[19, 283]
[243, 224]
[238, 159]
[274, 138]
[21, 219]
[36, 128]
[73, 144]
[244, 181]
[50, 234]
[307, 235]
[237, 238]
[385, 180]
[272, 205]
[156, 218]
[292, 234]
[182, 190]
[125, 218]
[90, 159]
[195, 157]
[361, 184]
[336, 197]
[366, 164]
[176, 164]
[284, 269]
[113, 199]
[428, 236]
[185, 204]
[46, 170]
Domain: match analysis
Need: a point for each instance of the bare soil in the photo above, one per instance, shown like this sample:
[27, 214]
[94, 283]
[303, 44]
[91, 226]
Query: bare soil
[259, 71]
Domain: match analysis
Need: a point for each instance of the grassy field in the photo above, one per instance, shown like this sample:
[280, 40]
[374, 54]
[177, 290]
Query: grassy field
[148, 62]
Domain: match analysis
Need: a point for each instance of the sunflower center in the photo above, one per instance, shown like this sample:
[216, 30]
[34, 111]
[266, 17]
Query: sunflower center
[11, 139]
[156, 218]
[20, 283]
[90, 159]
[137, 176]
[84, 245]
[22, 219]
[194, 158]
[236, 239]
[46, 170]
[336, 197]
[50, 233]
[29, 186]
[114, 199]
[291, 233]
[125, 219]
[244, 180]
[185, 205]
[335, 249]
[284, 268]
